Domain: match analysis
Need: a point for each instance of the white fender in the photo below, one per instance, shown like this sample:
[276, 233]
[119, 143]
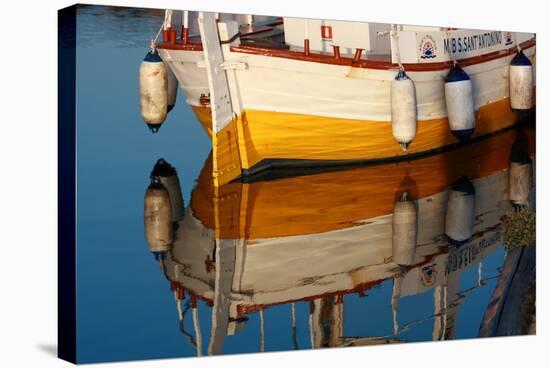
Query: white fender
[521, 83]
[459, 220]
[404, 231]
[153, 86]
[168, 177]
[460, 103]
[403, 109]
[157, 216]
[520, 181]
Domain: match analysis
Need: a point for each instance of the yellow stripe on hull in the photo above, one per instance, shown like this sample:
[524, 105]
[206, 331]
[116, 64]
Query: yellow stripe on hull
[329, 201]
[262, 135]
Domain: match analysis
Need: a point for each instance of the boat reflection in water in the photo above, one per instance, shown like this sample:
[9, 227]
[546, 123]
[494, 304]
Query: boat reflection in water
[319, 238]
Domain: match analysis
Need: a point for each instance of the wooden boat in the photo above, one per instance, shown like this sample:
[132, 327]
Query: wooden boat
[307, 92]
[245, 247]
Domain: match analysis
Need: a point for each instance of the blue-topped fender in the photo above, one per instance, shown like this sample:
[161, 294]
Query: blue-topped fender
[457, 74]
[402, 75]
[463, 185]
[152, 57]
[520, 60]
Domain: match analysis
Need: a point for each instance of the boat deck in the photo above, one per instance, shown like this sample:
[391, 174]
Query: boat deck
[268, 39]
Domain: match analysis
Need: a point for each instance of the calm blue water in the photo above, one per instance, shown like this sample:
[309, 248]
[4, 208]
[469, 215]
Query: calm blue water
[125, 307]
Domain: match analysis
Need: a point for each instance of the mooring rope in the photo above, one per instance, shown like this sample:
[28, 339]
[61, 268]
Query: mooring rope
[167, 21]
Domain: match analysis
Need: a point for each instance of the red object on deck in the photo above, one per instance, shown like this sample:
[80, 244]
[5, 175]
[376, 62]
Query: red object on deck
[326, 32]
[172, 34]
[306, 47]
[181, 294]
[336, 50]
[357, 56]
[165, 35]
[185, 35]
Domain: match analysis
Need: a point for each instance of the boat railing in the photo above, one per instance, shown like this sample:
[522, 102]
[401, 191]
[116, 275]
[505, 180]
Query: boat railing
[348, 42]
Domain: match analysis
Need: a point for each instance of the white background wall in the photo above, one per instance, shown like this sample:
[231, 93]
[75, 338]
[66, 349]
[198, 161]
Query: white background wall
[28, 145]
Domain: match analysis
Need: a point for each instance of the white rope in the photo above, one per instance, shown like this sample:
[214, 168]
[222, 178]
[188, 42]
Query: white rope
[294, 326]
[178, 306]
[167, 22]
[262, 331]
[154, 40]
[394, 300]
[197, 328]
[395, 36]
